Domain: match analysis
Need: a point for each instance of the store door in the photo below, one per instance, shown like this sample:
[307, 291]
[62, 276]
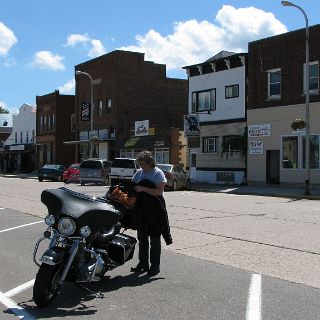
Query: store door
[273, 167]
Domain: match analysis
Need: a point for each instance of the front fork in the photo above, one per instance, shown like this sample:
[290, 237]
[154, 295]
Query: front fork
[48, 257]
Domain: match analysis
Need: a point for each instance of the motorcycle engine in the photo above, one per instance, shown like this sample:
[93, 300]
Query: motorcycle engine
[95, 265]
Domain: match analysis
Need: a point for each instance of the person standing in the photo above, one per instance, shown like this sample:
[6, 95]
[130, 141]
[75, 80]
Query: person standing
[150, 182]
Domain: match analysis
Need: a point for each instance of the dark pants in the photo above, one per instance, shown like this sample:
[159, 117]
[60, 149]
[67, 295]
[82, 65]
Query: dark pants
[155, 249]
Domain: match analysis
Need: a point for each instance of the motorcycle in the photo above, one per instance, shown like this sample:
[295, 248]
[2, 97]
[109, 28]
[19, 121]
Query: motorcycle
[84, 242]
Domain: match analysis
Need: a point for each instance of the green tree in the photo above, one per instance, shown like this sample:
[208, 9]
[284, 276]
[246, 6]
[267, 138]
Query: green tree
[3, 110]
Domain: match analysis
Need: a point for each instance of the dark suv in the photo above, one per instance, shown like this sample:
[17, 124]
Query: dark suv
[94, 171]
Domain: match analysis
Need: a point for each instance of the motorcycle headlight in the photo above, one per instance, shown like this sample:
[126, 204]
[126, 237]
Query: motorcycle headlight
[49, 220]
[66, 226]
[85, 231]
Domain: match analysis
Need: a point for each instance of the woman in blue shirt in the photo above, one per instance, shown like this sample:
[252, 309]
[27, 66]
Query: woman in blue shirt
[149, 171]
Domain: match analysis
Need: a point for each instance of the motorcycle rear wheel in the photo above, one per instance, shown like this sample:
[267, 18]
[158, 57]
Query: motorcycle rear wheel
[46, 285]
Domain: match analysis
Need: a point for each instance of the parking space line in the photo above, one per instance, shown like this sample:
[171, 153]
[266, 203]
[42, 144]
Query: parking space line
[24, 225]
[14, 308]
[19, 289]
[254, 298]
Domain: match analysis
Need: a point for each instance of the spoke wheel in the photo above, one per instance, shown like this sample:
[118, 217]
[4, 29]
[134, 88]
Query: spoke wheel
[46, 285]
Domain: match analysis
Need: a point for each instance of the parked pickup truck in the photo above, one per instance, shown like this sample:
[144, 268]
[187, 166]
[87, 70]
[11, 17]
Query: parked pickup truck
[122, 170]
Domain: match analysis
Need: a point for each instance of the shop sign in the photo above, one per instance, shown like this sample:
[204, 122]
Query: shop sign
[158, 143]
[141, 128]
[191, 125]
[259, 130]
[255, 147]
[19, 147]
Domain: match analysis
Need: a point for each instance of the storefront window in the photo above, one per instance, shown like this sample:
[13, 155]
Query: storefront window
[162, 155]
[313, 152]
[290, 152]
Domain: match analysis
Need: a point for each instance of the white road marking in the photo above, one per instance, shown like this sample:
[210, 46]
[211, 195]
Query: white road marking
[14, 308]
[24, 225]
[19, 289]
[254, 298]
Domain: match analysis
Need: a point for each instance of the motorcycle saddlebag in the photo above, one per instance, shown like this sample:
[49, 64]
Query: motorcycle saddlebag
[121, 248]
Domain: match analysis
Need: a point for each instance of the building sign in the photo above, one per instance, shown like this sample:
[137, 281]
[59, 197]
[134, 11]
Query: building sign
[85, 111]
[255, 147]
[191, 125]
[259, 130]
[19, 147]
[141, 128]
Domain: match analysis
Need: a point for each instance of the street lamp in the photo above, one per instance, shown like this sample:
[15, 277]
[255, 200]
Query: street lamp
[91, 108]
[307, 181]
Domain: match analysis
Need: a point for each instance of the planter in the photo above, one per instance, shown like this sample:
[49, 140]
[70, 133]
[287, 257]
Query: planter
[298, 124]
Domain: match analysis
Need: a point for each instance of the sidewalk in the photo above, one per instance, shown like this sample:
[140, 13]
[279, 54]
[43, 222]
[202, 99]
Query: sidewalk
[268, 190]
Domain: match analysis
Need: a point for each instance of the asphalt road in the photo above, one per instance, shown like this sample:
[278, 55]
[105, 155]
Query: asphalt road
[233, 257]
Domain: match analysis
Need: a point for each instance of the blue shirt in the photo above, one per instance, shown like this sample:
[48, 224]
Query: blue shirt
[155, 175]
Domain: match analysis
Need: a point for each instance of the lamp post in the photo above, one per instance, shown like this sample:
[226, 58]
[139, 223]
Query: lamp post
[307, 179]
[91, 108]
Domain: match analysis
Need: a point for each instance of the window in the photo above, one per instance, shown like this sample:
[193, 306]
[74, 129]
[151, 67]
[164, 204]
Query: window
[313, 152]
[21, 136]
[124, 153]
[100, 108]
[313, 77]
[27, 136]
[232, 143]
[161, 155]
[290, 152]
[232, 91]
[109, 105]
[16, 137]
[209, 144]
[33, 135]
[274, 84]
[204, 100]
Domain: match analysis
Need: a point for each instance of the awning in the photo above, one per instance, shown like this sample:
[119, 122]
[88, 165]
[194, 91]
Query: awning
[87, 141]
[131, 142]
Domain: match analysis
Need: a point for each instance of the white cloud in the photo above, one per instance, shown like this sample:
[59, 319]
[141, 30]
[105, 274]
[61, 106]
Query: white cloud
[48, 60]
[68, 87]
[75, 39]
[7, 39]
[97, 49]
[94, 46]
[193, 41]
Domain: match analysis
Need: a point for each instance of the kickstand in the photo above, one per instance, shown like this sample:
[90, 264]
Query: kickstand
[96, 294]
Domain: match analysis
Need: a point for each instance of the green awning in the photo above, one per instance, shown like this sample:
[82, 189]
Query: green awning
[131, 142]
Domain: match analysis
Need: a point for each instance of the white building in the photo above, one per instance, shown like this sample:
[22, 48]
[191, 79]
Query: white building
[19, 147]
[217, 100]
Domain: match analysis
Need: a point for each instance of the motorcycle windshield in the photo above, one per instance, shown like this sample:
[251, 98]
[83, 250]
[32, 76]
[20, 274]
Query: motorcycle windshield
[81, 207]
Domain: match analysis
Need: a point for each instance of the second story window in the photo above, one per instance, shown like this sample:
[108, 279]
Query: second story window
[232, 91]
[204, 100]
[15, 137]
[100, 105]
[210, 144]
[109, 105]
[313, 77]
[27, 136]
[21, 137]
[33, 133]
[274, 84]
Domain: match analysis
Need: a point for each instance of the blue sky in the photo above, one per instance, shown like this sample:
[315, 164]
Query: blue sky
[41, 41]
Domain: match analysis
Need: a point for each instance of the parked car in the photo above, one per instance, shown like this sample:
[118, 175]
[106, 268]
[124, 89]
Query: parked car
[52, 172]
[94, 171]
[72, 174]
[122, 170]
[177, 177]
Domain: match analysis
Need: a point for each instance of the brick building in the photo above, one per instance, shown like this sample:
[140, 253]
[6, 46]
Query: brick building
[53, 125]
[129, 93]
[276, 97]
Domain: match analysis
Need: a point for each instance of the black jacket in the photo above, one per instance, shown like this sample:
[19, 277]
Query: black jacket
[154, 213]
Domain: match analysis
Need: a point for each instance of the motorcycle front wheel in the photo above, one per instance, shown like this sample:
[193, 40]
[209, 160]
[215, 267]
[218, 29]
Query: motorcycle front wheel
[46, 285]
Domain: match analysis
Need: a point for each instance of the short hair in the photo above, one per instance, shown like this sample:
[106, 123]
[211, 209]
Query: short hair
[146, 157]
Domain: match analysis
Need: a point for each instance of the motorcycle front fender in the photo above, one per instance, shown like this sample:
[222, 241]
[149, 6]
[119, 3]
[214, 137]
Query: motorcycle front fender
[53, 256]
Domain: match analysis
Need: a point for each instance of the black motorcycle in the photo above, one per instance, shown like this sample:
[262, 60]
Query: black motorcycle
[85, 242]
